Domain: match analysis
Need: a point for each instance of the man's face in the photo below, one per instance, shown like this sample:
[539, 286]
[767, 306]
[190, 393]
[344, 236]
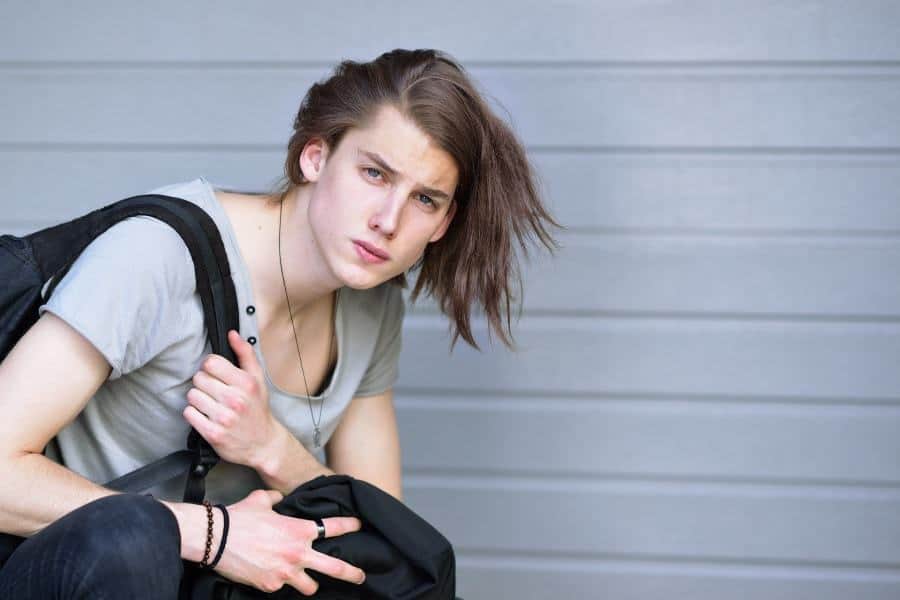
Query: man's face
[379, 198]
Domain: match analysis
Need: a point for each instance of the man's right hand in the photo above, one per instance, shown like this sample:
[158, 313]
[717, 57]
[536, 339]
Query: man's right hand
[267, 550]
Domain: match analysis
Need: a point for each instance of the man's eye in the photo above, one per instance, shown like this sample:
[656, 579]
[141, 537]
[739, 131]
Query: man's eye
[370, 170]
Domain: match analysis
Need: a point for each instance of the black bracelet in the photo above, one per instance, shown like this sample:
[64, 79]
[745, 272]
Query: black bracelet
[215, 561]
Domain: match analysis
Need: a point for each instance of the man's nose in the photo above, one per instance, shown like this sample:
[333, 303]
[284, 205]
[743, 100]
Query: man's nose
[387, 217]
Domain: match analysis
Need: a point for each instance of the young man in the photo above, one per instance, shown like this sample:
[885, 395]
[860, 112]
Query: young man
[394, 165]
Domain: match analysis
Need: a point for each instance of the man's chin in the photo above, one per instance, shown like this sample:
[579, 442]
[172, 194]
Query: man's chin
[365, 280]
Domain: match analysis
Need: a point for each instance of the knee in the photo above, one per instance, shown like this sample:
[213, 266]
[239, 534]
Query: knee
[126, 537]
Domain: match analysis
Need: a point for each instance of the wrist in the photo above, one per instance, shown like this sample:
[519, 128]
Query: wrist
[286, 463]
[193, 526]
[272, 456]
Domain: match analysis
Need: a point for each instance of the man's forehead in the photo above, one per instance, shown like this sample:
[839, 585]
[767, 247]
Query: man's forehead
[424, 166]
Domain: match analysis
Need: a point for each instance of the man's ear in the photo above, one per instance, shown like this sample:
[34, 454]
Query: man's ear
[312, 158]
[445, 223]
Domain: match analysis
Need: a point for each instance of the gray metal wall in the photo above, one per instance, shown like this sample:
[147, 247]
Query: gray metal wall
[706, 403]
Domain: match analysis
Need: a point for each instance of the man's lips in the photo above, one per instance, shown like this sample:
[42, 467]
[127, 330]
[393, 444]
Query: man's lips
[372, 249]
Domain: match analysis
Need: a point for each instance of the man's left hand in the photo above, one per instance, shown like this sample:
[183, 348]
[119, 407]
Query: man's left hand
[229, 405]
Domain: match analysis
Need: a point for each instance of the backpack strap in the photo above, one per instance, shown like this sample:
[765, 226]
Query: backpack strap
[216, 289]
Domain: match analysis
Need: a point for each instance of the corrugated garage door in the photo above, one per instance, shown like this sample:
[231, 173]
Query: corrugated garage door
[706, 402]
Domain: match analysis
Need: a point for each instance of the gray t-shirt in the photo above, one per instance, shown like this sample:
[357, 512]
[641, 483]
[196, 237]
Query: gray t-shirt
[132, 294]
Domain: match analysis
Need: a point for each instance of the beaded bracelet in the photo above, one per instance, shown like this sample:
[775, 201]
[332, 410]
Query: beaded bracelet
[209, 533]
[215, 561]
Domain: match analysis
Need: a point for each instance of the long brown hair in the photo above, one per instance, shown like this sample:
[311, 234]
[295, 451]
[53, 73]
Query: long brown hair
[498, 206]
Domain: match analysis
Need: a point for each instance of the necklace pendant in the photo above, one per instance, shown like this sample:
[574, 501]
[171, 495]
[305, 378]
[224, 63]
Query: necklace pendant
[317, 438]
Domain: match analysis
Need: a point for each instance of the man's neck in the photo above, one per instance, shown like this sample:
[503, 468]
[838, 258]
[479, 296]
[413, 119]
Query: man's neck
[256, 223]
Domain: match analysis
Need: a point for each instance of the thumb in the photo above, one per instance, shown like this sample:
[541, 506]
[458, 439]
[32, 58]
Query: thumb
[267, 498]
[244, 352]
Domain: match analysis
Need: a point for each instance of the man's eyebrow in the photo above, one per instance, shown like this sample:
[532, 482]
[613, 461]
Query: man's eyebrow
[375, 158]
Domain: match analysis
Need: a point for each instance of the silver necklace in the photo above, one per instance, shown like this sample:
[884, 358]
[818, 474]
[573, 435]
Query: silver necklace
[317, 435]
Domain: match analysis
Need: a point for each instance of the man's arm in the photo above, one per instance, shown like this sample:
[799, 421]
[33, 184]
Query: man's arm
[366, 444]
[45, 381]
[288, 463]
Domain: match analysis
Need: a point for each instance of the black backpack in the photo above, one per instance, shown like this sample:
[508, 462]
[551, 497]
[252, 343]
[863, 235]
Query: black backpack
[411, 559]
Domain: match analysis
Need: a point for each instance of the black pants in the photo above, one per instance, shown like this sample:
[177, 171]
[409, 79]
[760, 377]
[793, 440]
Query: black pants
[123, 546]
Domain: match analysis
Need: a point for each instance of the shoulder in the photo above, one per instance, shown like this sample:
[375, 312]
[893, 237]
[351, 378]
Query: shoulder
[138, 258]
[377, 304]
[124, 288]
[142, 247]
[197, 191]
[146, 246]
[377, 315]
[378, 334]
[373, 317]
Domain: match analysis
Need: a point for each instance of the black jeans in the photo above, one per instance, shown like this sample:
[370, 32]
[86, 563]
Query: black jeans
[123, 546]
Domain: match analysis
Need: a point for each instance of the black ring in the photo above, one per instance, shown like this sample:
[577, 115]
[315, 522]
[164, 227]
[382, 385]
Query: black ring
[320, 526]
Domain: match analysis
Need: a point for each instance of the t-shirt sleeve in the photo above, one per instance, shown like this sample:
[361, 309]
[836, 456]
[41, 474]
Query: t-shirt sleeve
[123, 292]
[382, 372]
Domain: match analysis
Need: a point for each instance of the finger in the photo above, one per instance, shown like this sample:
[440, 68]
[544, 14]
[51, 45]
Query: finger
[227, 372]
[303, 583]
[212, 386]
[245, 354]
[335, 526]
[206, 404]
[210, 431]
[272, 497]
[334, 567]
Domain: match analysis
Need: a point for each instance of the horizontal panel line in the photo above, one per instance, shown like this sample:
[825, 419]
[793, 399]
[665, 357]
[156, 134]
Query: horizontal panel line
[562, 475]
[663, 490]
[794, 233]
[742, 151]
[674, 560]
[478, 559]
[140, 147]
[777, 65]
[661, 233]
[443, 392]
[162, 65]
[430, 317]
[636, 315]
[851, 67]
[737, 152]
[521, 404]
